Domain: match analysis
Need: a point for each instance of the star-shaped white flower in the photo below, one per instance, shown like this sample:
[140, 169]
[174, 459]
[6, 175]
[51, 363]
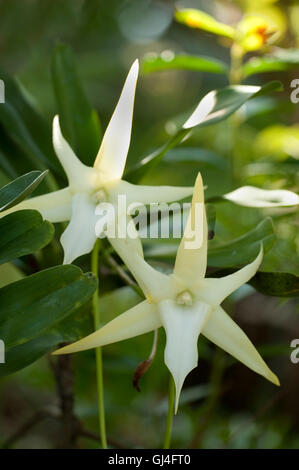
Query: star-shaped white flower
[185, 303]
[101, 183]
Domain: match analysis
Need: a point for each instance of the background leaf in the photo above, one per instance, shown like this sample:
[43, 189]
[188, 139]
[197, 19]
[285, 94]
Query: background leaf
[281, 61]
[276, 284]
[243, 249]
[185, 62]
[224, 103]
[201, 20]
[79, 122]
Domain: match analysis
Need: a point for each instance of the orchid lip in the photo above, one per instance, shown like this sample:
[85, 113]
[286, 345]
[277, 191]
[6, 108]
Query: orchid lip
[100, 196]
[185, 298]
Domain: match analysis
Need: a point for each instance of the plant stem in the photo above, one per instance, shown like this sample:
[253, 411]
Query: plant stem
[169, 419]
[99, 365]
[122, 274]
[235, 75]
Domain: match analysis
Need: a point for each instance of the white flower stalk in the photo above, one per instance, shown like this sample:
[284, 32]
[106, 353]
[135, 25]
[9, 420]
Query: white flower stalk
[101, 183]
[185, 303]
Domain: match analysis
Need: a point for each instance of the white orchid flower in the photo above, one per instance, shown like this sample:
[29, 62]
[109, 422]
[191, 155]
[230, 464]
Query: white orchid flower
[101, 183]
[185, 303]
[251, 196]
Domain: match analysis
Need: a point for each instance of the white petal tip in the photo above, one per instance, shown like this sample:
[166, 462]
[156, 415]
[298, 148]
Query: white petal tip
[56, 125]
[273, 378]
[134, 70]
[176, 403]
[136, 63]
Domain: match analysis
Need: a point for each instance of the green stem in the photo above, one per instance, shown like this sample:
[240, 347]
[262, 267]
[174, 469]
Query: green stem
[99, 365]
[236, 74]
[169, 419]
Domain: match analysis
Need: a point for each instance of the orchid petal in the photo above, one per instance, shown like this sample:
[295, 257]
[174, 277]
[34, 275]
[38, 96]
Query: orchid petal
[125, 244]
[183, 325]
[111, 158]
[216, 290]
[152, 194]
[79, 237]
[225, 333]
[73, 167]
[191, 259]
[251, 196]
[202, 110]
[134, 322]
[153, 283]
[55, 207]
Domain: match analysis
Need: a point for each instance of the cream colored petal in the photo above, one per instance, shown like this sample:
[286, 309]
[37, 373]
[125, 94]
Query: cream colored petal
[138, 320]
[191, 259]
[215, 290]
[154, 284]
[79, 175]
[126, 240]
[55, 207]
[79, 237]
[251, 196]
[152, 194]
[111, 158]
[225, 333]
[183, 325]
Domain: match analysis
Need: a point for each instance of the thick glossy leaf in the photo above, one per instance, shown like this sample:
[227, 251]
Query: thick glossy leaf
[244, 249]
[185, 62]
[222, 104]
[19, 189]
[41, 311]
[76, 326]
[276, 284]
[280, 61]
[9, 273]
[80, 123]
[22, 233]
[201, 20]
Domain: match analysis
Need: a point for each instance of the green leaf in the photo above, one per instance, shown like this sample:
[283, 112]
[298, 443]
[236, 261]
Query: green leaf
[19, 189]
[280, 61]
[27, 128]
[244, 249]
[201, 20]
[237, 252]
[79, 122]
[222, 104]
[167, 248]
[9, 273]
[277, 284]
[185, 62]
[22, 233]
[41, 311]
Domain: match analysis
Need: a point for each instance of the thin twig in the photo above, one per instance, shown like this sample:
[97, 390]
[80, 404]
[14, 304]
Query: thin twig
[63, 373]
[28, 425]
[122, 274]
